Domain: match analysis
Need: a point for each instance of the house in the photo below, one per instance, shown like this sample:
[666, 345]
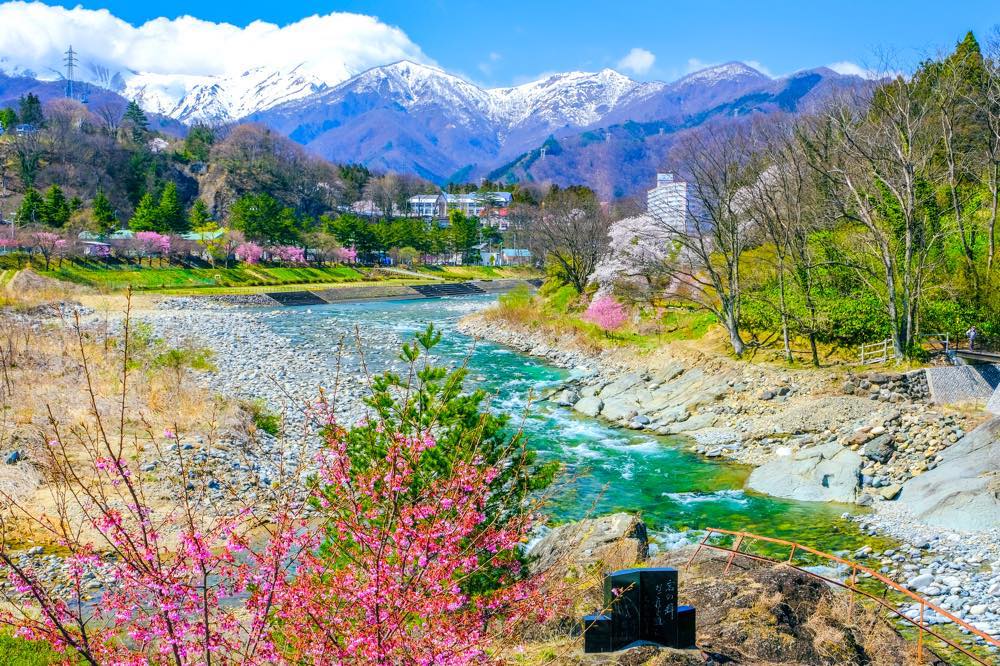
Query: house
[507, 256]
[429, 206]
[26, 128]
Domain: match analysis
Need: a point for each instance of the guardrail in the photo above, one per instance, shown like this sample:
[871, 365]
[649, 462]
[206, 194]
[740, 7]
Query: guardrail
[923, 628]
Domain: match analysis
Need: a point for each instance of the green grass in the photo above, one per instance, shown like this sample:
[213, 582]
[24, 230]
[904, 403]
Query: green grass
[20, 652]
[112, 277]
[479, 272]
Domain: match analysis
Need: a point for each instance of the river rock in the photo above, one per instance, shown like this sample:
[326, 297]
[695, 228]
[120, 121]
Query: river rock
[825, 473]
[880, 449]
[618, 540]
[589, 406]
[621, 408]
[963, 491]
[620, 385]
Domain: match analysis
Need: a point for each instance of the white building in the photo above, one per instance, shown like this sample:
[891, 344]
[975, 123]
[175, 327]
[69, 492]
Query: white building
[437, 206]
[667, 202]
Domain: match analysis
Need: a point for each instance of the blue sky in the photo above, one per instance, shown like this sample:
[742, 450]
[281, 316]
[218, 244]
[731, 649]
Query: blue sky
[502, 43]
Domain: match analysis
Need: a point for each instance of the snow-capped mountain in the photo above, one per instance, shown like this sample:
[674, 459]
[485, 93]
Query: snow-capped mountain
[219, 99]
[418, 118]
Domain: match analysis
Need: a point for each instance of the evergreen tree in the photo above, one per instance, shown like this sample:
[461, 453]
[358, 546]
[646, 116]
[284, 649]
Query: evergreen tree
[146, 216]
[32, 208]
[198, 142]
[171, 212]
[263, 219]
[104, 214]
[8, 119]
[199, 219]
[56, 209]
[30, 111]
[136, 117]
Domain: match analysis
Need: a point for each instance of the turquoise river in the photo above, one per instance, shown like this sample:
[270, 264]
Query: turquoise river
[606, 469]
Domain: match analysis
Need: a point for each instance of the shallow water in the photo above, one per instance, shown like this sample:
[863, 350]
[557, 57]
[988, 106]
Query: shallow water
[607, 469]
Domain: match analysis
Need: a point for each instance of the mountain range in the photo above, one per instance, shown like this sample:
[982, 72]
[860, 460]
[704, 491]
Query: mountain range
[599, 128]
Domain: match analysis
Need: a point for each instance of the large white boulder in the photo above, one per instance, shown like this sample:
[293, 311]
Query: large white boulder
[825, 473]
[963, 491]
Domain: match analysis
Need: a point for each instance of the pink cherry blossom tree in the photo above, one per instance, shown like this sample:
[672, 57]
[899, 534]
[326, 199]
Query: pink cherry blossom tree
[347, 255]
[151, 244]
[289, 254]
[607, 313]
[249, 253]
[47, 244]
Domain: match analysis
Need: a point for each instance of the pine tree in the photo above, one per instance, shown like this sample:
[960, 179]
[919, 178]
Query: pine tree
[32, 209]
[199, 218]
[146, 215]
[30, 111]
[171, 212]
[104, 215]
[56, 209]
[136, 117]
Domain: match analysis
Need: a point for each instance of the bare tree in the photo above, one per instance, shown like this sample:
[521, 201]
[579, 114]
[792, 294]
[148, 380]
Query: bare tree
[990, 103]
[881, 180]
[710, 223]
[570, 230]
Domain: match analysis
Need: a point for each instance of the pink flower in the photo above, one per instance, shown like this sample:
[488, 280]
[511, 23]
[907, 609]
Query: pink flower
[606, 312]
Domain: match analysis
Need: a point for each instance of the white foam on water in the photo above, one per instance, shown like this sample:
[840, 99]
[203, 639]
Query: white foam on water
[663, 540]
[733, 496]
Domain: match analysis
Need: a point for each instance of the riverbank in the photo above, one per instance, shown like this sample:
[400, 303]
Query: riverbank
[828, 436]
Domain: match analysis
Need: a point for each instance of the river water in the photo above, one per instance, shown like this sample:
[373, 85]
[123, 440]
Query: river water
[606, 469]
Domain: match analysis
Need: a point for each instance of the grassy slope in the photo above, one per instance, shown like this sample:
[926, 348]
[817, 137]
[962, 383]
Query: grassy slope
[247, 279]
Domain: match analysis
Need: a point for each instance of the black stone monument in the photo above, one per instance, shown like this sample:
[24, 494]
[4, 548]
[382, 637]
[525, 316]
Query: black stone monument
[641, 605]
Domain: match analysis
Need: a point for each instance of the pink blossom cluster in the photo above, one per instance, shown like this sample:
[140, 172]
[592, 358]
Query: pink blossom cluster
[289, 254]
[152, 243]
[249, 253]
[378, 574]
[606, 312]
[346, 255]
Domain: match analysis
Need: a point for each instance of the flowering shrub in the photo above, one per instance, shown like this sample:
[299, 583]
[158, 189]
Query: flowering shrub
[289, 254]
[606, 312]
[249, 253]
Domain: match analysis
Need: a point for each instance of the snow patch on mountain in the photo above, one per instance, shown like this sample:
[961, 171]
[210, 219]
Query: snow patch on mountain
[718, 74]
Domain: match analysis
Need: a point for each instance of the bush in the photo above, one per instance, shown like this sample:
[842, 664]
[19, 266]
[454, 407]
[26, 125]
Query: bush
[263, 419]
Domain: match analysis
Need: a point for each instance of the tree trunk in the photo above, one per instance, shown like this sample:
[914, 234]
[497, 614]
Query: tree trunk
[733, 326]
[784, 311]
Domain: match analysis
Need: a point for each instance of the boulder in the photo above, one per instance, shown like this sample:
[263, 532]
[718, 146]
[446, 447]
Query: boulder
[963, 491]
[880, 449]
[620, 385]
[621, 408]
[566, 397]
[825, 473]
[890, 492]
[590, 406]
[615, 541]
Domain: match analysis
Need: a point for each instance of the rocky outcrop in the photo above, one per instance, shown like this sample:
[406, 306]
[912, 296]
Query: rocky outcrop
[825, 473]
[614, 541]
[963, 491]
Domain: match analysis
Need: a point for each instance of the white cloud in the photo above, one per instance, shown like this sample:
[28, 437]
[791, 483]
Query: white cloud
[332, 47]
[759, 66]
[487, 66]
[637, 61]
[696, 65]
[853, 69]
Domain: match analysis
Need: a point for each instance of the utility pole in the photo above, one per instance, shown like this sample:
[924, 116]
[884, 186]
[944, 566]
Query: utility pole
[71, 63]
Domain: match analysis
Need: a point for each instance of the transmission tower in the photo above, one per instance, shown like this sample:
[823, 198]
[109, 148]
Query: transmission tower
[71, 63]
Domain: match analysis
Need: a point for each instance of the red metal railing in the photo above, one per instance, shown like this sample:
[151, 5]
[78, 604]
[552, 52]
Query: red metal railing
[742, 538]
